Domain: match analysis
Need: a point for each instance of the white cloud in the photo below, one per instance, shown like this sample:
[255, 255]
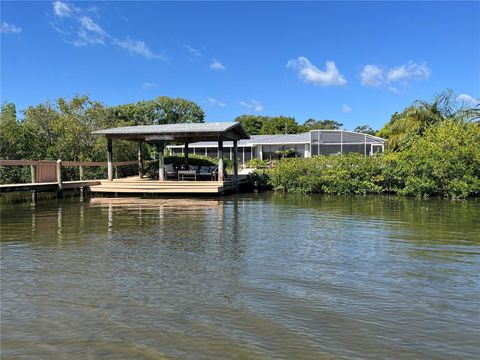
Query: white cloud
[62, 9]
[346, 108]
[192, 51]
[252, 105]
[82, 30]
[89, 33]
[309, 73]
[408, 71]
[215, 102]
[371, 75]
[396, 78]
[138, 47]
[217, 65]
[149, 85]
[7, 28]
[468, 100]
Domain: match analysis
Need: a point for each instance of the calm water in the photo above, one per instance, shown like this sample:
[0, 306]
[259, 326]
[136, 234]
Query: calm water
[244, 277]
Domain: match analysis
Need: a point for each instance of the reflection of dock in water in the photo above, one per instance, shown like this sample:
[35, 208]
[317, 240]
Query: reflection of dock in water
[132, 202]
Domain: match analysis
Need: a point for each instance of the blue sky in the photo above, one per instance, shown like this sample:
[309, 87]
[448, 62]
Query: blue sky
[353, 62]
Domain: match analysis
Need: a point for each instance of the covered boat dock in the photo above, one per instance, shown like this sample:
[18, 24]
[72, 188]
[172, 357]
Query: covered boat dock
[160, 135]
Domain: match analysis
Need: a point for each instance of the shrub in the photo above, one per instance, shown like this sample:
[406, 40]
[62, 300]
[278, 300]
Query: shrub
[256, 163]
[443, 162]
[348, 174]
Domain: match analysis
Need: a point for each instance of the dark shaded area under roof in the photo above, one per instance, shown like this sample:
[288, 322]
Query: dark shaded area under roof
[190, 132]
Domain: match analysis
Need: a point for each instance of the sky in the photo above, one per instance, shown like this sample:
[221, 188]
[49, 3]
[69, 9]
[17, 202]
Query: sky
[354, 62]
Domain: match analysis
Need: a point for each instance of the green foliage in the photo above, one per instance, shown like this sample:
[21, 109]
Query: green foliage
[256, 163]
[285, 152]
[266, 125]
[280, 125]
[63, 130]
[444, 162]
[252, 124]
[405, 127]
[365, 129]
[162, 110]
[260, 179]
[341, 175]
[312, 124]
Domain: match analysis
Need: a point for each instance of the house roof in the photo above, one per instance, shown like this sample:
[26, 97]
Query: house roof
[286, 139]
[178, 132]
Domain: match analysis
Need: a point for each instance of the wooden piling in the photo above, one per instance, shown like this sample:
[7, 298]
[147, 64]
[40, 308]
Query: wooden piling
[59, 179]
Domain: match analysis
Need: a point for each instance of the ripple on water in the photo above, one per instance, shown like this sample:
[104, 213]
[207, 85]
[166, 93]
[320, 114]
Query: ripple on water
[247, 276]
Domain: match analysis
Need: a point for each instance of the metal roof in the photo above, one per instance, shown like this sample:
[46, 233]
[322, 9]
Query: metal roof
[286, 139]
[184, 131]
[303, 138]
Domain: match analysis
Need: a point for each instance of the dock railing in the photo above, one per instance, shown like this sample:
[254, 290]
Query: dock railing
[42, 171]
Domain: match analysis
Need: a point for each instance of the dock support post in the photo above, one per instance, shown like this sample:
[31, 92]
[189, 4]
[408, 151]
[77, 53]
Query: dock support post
[109, 160]
[235, 160]
[220, 160]
[80, 168]
[161, 161]
[186, 154]
[140, 161]
[33, 173]
[59, 180]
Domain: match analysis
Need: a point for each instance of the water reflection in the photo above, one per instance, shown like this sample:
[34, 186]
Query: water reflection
[247, 276]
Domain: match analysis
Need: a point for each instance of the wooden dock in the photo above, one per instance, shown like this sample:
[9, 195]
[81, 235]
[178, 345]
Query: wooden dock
[48, 186]
[148, 186]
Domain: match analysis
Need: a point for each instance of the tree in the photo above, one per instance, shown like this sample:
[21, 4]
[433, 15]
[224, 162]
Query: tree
[312, 124]
[10, 132]
[403, 128]
[365, 129]
[444, 161]
[266, 125]
[162, 110]
[279, 125]
[252, 124]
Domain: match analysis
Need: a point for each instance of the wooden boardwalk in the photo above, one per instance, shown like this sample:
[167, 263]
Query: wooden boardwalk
[149, 186]
[48, 186]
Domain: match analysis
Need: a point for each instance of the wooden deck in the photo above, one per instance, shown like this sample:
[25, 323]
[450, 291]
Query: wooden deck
[149, 186]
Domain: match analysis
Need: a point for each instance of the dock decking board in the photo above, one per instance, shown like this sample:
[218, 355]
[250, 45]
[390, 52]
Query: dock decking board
[148, 186]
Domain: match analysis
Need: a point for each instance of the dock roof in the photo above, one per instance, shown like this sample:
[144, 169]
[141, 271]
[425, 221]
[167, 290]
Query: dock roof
[208, 131]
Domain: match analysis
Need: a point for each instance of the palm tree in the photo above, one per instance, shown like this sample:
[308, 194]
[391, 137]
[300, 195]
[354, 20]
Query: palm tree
[404, 127]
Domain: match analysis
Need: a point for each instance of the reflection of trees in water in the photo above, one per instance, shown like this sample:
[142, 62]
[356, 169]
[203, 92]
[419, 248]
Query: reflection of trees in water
[418, 219]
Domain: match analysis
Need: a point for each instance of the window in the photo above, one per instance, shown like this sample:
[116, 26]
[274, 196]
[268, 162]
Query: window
[273, 152]
[176, 151]
[326, 149]
[354, 148]
[212, 152]
[247, 153]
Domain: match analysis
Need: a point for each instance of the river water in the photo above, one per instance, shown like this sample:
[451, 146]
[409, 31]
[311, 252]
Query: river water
[257, 276]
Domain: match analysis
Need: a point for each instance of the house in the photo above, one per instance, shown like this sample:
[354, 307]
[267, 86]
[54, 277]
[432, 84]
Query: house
[270, 147]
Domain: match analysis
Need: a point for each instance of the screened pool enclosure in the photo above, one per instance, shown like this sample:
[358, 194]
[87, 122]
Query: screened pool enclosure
[337, 142]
